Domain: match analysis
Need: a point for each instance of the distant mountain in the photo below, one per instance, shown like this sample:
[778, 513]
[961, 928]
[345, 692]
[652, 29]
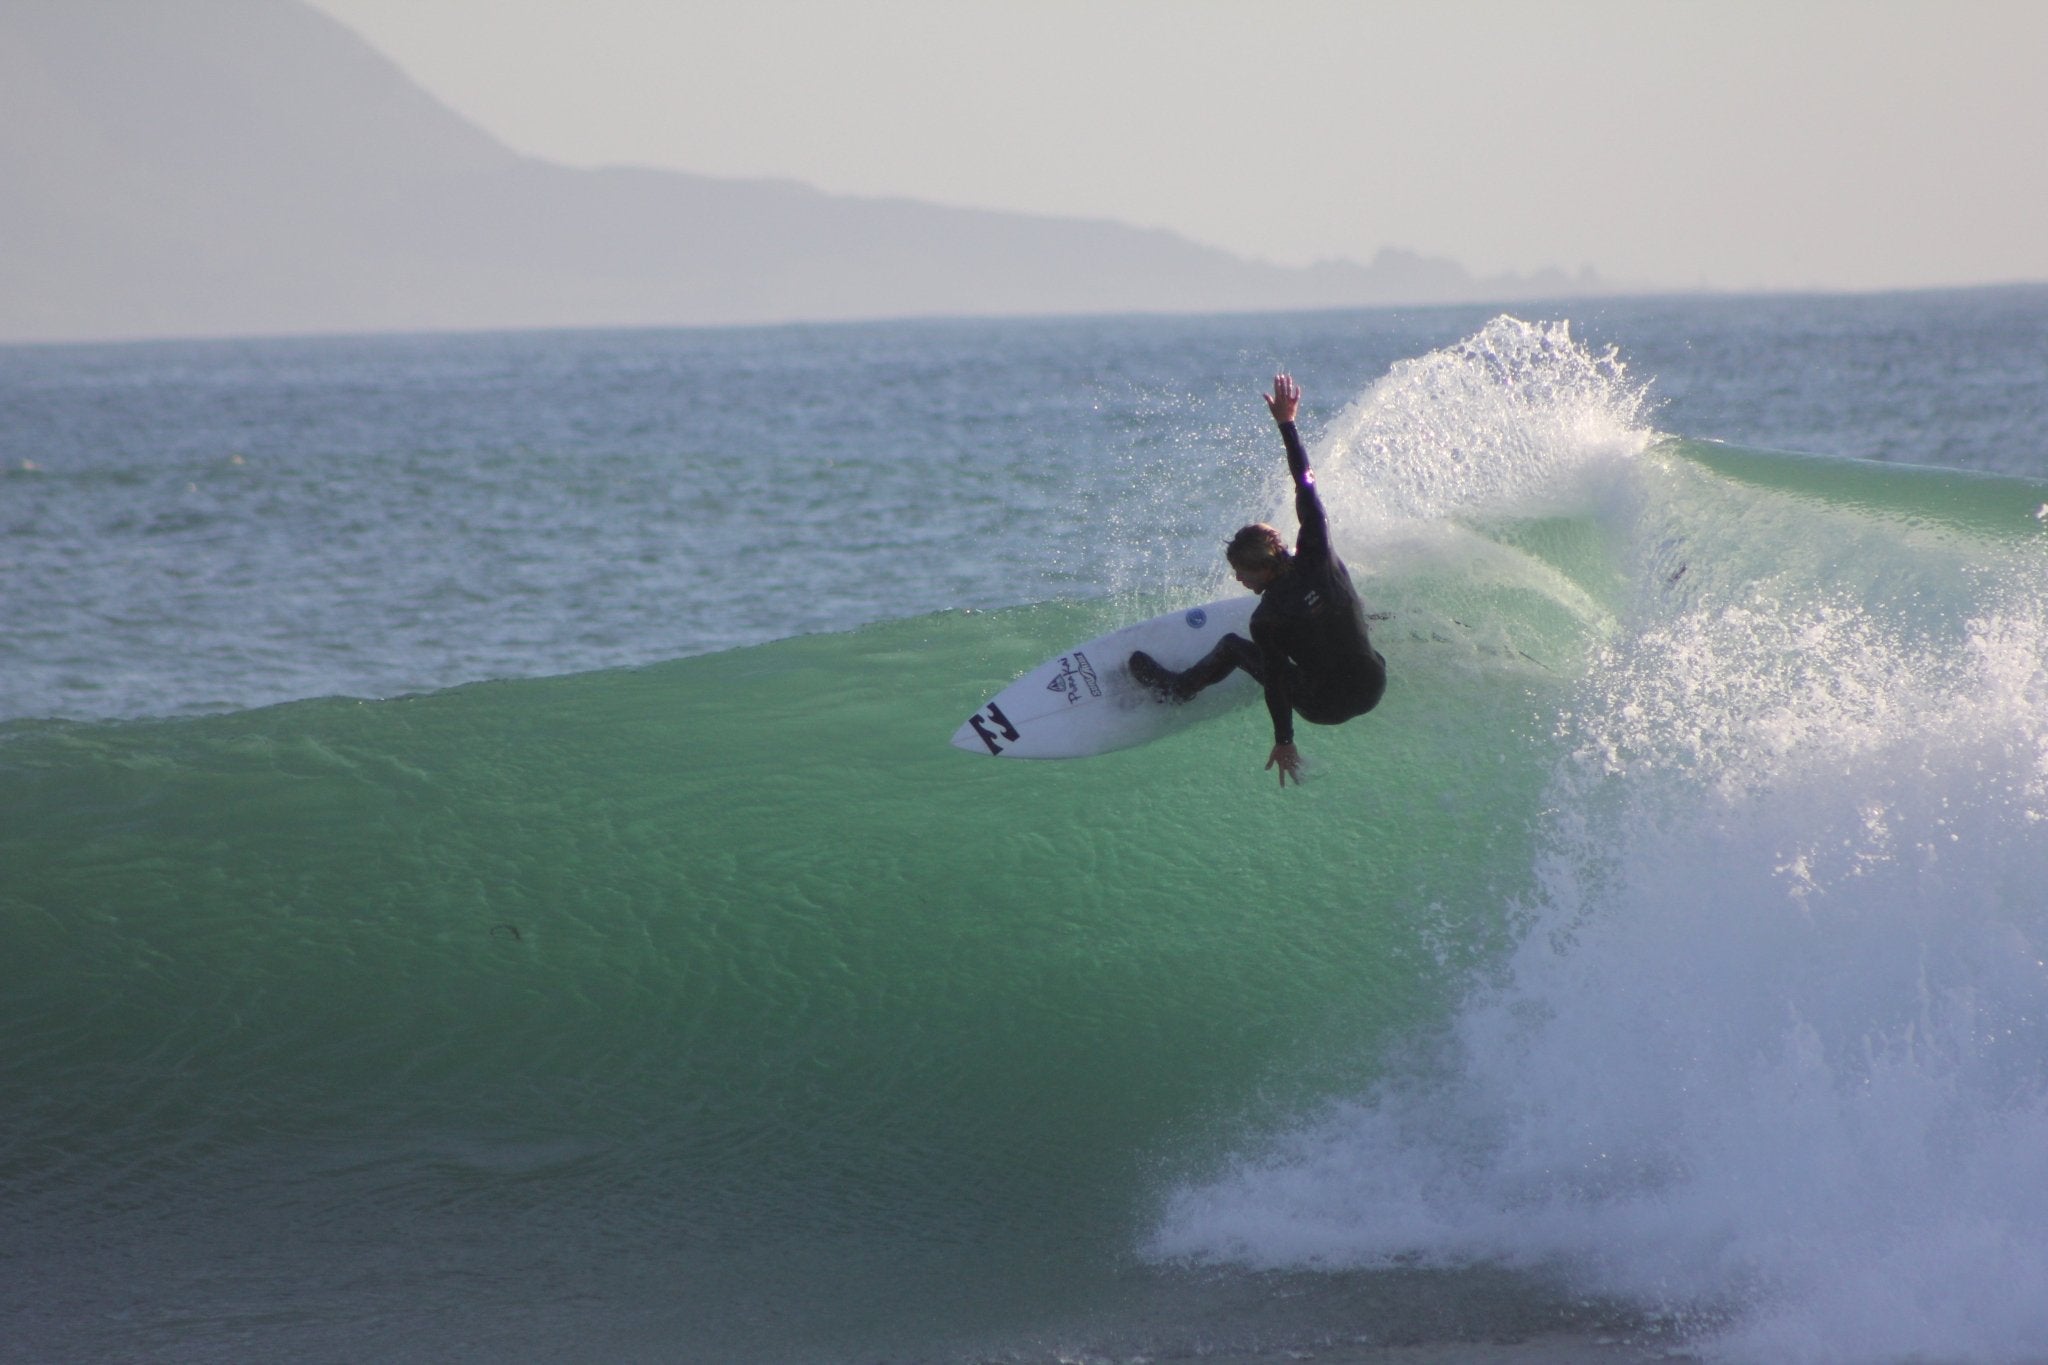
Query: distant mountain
[249, 167]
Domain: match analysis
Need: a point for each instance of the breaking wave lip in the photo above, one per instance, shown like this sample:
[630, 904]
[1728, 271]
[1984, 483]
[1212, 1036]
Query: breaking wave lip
[1769, 1054]
[1515, 411]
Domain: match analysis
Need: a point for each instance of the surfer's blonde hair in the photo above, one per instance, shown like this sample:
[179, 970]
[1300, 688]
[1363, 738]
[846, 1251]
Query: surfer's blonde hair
[1257, 546]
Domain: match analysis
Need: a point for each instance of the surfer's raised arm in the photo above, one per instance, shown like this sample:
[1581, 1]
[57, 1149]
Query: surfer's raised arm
[1284, 402]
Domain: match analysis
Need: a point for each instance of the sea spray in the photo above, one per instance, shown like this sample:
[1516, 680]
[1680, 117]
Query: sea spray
[1510, 414]
[1770, 1055]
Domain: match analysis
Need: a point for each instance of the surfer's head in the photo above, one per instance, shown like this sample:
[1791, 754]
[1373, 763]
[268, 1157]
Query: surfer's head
[1257, 555]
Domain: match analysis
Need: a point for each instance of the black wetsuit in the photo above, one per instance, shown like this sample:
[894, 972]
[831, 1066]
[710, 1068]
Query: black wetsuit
[1309, 647]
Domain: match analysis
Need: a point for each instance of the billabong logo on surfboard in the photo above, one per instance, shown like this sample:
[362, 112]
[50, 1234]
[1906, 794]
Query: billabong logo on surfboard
[993, 738]
[1196, 618]
[1075, 673]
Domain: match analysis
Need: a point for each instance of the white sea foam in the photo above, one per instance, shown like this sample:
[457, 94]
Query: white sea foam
[1510, 413]
[1771, 1052]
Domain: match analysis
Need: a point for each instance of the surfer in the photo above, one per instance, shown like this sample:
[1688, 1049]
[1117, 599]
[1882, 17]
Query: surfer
[1309, 648]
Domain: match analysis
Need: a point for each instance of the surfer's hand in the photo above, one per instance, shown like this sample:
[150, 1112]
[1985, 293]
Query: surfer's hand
[1288, 759]
[1285, 399]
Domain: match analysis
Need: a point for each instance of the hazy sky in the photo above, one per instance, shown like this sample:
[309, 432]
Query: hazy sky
[1737, 144]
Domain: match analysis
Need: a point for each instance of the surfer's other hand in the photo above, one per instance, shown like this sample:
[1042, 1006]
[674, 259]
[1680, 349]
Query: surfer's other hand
[1288, 759]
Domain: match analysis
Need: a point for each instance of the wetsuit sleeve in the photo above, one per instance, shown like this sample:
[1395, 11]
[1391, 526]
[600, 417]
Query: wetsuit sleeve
[1314, 542]
[1279, 705]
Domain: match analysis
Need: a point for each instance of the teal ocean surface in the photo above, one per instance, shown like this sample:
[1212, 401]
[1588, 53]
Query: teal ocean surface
[484, 875]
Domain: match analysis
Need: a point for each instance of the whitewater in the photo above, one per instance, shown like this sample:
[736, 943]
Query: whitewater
[485, 876]
[1767, 1050]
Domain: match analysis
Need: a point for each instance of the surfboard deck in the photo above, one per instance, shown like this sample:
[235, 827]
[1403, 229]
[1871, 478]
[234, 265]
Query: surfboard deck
[1085, 702]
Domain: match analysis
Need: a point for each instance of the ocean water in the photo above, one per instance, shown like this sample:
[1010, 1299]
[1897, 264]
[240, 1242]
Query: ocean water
[484, 876]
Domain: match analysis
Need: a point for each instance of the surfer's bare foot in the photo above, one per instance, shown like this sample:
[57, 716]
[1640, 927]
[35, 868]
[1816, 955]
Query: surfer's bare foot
[1150, 676]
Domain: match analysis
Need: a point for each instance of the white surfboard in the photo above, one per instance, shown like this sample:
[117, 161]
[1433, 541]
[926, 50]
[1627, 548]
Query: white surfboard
[1085, 701]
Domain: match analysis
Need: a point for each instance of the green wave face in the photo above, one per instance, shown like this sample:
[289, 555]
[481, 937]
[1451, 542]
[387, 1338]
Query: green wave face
[740, 947]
